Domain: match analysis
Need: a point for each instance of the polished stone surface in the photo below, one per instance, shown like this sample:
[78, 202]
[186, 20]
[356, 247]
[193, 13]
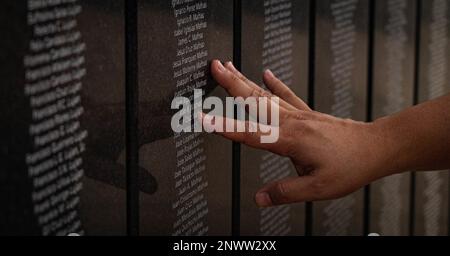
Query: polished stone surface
[274, 36]
[393, 91]
[341, 90]
[66, 122]
[432, 189]
[191, 193]
[62, 112]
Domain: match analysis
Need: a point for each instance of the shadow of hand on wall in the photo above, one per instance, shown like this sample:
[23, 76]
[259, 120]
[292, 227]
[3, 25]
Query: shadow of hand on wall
[106, 143]
[106, 138]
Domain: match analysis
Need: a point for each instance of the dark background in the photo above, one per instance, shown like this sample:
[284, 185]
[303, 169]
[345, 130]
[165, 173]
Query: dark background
[129, 78]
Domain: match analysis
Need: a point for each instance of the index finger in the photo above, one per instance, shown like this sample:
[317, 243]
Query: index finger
[232, 83]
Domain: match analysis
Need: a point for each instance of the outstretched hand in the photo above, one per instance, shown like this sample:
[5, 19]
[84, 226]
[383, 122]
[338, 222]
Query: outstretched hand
[333, 157]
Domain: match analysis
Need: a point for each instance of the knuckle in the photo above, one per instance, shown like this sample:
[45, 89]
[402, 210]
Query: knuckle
[295, 115]
[258, 92]
[281, 192]
[265, 93]
[243, 78]
[254, 92]
[310, 115]
[290, 149]
[320, 187]
[298, 115]
[234, 77]
[284, 116]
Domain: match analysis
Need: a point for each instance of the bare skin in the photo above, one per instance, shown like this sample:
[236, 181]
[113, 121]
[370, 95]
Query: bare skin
[335, 157]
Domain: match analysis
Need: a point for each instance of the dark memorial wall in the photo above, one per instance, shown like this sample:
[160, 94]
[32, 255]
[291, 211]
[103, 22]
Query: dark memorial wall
[63, 151]
[341, 90]
[432, 188]
[392, 91]
[275, 37]
[189, 174]
[63, 113]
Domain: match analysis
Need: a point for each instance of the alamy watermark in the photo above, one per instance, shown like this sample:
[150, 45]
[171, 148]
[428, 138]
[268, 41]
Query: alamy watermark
[254, 115]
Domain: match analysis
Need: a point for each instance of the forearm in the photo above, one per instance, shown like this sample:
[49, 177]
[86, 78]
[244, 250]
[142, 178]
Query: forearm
[335, 157]
[417, 139]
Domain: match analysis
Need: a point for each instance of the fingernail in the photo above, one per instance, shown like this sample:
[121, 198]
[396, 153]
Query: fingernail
[263, 199]
[220, 67]
[231, 66]
[269, 73]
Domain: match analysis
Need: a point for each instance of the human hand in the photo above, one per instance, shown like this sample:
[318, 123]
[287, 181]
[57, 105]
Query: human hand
[333, 157]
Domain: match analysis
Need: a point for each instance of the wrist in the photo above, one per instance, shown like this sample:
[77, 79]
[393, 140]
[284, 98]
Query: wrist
[391, 144]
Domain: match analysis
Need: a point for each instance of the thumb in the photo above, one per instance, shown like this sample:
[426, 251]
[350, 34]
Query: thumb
[287, 191]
